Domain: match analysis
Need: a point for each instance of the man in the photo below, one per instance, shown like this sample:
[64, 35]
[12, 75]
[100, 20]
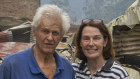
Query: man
[41, 61]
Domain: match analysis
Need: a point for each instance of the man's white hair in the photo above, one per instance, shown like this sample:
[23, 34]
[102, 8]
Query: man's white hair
[51, 10]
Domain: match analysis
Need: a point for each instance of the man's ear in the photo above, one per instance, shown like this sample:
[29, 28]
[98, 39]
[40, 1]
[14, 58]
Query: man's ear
[34, 32]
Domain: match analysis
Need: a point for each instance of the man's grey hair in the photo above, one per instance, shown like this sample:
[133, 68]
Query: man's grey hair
[51, 10]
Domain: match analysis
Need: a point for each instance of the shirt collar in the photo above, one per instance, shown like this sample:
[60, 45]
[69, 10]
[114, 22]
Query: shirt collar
[35, 69]
[106, 67]
[58, 61]
[33, 63]
[82, 65]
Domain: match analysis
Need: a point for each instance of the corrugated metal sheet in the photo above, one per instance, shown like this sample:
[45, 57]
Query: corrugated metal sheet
[126, 40]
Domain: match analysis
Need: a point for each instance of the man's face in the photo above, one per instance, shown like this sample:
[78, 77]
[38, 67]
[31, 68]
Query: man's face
[48, 35]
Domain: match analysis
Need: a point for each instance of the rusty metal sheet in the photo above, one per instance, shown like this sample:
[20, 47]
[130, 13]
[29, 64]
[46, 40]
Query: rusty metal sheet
[7, 48]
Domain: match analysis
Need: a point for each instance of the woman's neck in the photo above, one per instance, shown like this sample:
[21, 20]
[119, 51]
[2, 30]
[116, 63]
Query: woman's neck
[95, 64]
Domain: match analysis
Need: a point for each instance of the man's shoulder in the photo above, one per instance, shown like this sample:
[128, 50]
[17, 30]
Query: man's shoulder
[65, 62]
[64, 59]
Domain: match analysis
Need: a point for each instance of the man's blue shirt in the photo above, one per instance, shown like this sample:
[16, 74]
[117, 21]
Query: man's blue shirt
[23, 65]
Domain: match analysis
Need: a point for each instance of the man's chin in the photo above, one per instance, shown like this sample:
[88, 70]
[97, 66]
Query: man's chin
[49, 51]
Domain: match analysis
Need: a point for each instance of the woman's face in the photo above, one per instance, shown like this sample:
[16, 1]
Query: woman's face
[92, 42]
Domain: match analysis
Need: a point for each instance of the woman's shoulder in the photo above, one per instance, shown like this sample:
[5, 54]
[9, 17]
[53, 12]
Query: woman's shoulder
[118, 68]
[77, 63]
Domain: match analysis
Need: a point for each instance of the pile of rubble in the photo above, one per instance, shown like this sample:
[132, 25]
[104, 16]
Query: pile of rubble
[16, 37]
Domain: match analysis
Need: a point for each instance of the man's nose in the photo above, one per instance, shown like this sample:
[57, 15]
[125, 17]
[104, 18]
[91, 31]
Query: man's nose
[50, 36]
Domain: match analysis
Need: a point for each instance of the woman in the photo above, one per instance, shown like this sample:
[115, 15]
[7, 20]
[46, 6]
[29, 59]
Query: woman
[94, 49]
